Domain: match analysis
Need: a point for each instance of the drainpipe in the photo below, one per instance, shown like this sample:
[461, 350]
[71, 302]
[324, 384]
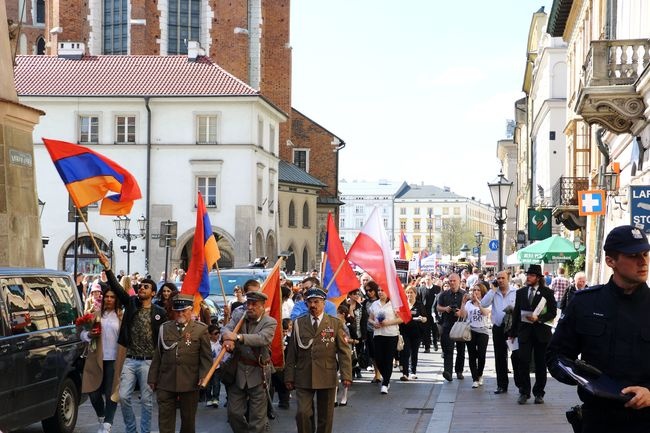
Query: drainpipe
[600, 222]
[338, 148]
[148, 188]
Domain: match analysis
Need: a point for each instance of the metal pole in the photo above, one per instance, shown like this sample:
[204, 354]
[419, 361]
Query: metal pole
[500, 260]
[478, 262]
[166, 256]
[128, 254]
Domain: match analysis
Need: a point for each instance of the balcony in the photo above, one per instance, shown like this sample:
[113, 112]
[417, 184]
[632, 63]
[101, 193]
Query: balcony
[565, 201]
[607, 93]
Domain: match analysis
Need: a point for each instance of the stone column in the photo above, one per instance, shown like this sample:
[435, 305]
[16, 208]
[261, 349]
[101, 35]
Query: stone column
[20, 228]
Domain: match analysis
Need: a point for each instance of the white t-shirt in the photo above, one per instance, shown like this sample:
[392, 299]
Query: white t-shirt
[477, 321]
[377, 310]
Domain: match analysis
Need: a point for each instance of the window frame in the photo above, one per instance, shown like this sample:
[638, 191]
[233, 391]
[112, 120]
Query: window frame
[197, 127]
[126, 134]
[80, 122]
[293, 158]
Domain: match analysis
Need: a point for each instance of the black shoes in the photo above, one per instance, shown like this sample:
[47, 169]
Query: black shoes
[447, 376]
[523, 398]
[427, 350]
[460, 376]
[539, 399]
[500, 391]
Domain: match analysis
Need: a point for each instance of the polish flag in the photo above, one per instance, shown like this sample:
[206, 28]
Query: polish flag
[372, 253]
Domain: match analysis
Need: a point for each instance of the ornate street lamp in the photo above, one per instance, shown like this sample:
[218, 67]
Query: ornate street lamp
[123, 230]
[500, 192]
[478, 236]
[464, 249]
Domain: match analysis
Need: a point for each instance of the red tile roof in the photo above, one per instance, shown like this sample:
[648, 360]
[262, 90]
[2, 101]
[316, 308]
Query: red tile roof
[125, 76]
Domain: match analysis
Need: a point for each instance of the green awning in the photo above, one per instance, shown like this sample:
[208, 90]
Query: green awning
[553, 249]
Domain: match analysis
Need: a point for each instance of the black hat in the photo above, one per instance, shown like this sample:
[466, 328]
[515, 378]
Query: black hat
[182, 301]
[256, 296]
[315, 292]
[535, 270]
[627, 240]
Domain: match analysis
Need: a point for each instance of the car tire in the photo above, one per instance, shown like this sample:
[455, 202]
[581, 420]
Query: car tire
[67, 408]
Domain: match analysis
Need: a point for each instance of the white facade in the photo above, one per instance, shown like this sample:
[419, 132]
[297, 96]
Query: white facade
[360, 199]
[244, 169]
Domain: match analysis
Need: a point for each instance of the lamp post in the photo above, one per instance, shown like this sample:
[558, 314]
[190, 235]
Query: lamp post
[500, 192]
[464, 249]
[479, 241]
[123, 230]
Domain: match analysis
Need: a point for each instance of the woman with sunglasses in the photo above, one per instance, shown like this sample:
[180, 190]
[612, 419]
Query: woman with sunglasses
[478, 321]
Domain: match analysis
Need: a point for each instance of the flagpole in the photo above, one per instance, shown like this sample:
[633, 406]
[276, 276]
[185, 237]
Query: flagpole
[90, 233]
[327, 289]
[217, 360]
[223, 292]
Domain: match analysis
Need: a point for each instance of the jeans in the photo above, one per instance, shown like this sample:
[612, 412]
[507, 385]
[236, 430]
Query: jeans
[136, 371]
[476, 349]
[101, 397]
[214, 387]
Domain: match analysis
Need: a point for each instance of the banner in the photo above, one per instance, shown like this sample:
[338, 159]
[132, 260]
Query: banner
[540, 223]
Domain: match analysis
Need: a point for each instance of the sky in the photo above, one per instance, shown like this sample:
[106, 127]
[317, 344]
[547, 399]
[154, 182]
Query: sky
[419, 90]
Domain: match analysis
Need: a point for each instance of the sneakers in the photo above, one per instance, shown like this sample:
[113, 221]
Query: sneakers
[413, 376]
[480, 381]
[523, 398]
[370, 368]
[404, 378]
[539, 399]
[475, 384]
[104, 427]
[384, 389]
[209, 403]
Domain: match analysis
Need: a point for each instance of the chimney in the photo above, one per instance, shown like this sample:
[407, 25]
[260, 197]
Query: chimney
[71, 50]
[194, 50]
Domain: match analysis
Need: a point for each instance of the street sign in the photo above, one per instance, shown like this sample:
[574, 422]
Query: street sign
[475, 251]
[493, 245]
[640, 206]
[591, 202]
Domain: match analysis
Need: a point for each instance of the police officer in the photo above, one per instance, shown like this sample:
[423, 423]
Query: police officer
[609, 327]
[180, 362]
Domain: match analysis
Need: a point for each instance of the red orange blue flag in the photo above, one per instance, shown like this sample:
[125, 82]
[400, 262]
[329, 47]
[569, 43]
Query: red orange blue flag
[405, 250]
[345, 280]
[205, 254]
[89, 176]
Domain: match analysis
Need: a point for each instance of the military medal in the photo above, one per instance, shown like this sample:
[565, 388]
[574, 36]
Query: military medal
[188, 339]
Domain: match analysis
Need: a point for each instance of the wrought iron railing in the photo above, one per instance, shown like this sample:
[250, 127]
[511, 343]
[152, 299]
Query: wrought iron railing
[565, 190]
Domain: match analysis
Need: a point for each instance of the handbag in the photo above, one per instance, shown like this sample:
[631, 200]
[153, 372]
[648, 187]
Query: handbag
[400, 343]
[228, 370]
[461, 331]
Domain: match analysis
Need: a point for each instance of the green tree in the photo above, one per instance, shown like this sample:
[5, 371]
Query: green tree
[453, 234]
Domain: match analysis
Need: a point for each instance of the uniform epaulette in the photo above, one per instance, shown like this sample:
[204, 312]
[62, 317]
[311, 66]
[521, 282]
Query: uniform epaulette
[589, 289]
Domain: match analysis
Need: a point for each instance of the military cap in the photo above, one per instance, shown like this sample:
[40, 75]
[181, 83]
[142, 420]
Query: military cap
[315, 292]
[256, 296]
[627, 240]
[182, 301]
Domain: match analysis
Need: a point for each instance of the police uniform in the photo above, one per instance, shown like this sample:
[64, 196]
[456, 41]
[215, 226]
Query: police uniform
[611, 331]
[182, 358]
[311, 366]
[249, 392]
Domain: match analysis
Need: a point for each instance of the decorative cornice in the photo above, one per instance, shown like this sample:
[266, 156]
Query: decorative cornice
[619, 109]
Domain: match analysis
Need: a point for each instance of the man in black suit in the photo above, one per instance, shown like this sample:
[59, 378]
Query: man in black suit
[533, 332]
[426, 294]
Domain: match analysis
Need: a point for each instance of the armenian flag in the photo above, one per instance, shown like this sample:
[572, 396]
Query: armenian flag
[405, 250]
[337, 282]
[88, 176]
[205, 254]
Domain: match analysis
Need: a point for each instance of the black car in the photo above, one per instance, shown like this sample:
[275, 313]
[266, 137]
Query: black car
[41, 360]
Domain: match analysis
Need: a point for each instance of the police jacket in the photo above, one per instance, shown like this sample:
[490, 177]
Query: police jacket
[609, 330]
[131, 305]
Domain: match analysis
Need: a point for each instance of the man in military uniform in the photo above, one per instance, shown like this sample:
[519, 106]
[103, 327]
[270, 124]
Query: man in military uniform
[250, 348]
[317, 342]
[609, 327]
[180, 362]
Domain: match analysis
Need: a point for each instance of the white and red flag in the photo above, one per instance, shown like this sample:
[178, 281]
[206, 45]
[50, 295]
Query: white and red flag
[372, 253]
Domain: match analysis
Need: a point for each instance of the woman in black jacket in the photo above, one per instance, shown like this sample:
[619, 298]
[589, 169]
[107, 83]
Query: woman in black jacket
[357, 320]
[412, 334]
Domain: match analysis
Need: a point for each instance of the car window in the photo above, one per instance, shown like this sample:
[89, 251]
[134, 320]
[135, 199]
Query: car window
[38, 303]
[230, 281]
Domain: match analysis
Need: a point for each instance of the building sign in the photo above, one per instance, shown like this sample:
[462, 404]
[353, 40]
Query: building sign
[640, 206]
[17, 157]
[591, 202]
[540, 223]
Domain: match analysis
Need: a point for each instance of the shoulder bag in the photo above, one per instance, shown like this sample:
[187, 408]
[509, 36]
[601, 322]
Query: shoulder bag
[461, 331]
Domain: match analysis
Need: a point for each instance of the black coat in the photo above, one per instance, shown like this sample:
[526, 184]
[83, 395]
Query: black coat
[427, 296]
[131, 306]
[525, 331]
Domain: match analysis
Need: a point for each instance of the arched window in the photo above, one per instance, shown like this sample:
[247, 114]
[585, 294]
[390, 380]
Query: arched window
[40, 46]
[87, 258]
[305, 216]
[305, 260]
[292, 214]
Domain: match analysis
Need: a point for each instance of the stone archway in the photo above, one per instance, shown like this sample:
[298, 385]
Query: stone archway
[259, 242]
[87, 257]
[271, 248]
[183, 251]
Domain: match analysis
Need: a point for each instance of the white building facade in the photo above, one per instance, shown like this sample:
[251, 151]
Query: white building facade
[179, 127]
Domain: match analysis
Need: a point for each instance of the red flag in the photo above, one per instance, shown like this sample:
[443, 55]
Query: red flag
[372, 252]
[271, 288]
